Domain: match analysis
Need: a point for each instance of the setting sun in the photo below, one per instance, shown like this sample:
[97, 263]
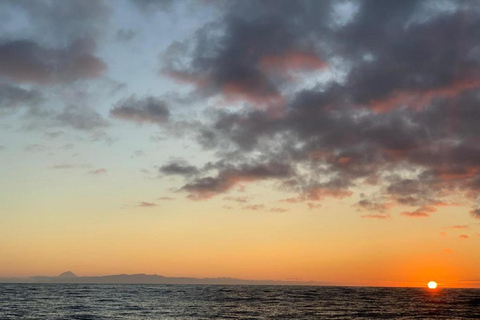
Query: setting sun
[432, 285]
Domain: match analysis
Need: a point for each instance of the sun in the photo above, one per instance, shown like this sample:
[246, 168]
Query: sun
[432, 285]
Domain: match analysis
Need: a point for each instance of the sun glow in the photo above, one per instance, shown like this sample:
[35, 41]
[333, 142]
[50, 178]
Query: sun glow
[432, 285]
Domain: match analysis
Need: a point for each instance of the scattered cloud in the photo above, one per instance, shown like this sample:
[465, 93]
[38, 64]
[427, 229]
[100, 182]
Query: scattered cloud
[165, 199]
[230, 176]
[179, 168]
[422, 212]
[242, 199]
[145, 110]
[64, 166]
[376, 216]
[97, 172]
[254, 207]
[54, 134]
[312, 205]
[144, 204]
[458, 227]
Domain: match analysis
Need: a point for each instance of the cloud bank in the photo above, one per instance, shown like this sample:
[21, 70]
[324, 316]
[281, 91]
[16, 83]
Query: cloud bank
[384, 96]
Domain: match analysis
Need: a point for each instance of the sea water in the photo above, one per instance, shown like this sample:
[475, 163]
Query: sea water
[95, 301]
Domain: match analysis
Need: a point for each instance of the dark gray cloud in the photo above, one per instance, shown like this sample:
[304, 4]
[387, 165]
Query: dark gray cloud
[229, 176]
[27, 61]
[179, 168]
[402, 117]
[143, 110]
[475, 213]
[259, 42]
[371, 205]
[12, 97]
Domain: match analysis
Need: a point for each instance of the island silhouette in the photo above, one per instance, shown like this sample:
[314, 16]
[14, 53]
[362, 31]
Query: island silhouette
[141, 278]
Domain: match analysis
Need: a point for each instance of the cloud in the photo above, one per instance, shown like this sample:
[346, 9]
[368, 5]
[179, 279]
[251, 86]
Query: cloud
[293, 60]
[207, 187]
[65, 166]
[56, 21]
[459, 227]
[234, 57]
[144, 204]
[312, 205]
[243, 199]
[54, 134]
[165, 198]
[463, 236]
[394, 111]
[376, 216]
[373, 205]
[320, 193]
[149, 6]
[80, 118]
[125, 35]
[12, 97]
[97, 172]
[29, 62]
[420, 212]
[144, 110]
[137, 153]
[475, 213]
[254, 207]
[179, 168]
[292, 200]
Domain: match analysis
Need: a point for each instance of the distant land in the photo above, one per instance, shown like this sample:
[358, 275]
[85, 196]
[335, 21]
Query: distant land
[70, 277]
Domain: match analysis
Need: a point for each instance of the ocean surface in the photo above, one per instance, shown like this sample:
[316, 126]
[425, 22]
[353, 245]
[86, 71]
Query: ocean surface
[94, 301]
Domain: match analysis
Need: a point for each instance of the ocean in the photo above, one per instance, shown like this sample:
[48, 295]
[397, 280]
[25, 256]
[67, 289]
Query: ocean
[129, 302]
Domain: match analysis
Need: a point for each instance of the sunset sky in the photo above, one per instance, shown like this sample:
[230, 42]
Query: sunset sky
[329, 141]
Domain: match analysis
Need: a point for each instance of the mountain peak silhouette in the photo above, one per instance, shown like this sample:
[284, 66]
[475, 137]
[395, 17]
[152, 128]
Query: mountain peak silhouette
[67, 274]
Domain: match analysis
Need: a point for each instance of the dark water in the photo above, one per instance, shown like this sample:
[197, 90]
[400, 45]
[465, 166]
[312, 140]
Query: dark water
[79, 301]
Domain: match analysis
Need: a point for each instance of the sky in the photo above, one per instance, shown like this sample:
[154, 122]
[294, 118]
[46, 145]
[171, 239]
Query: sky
[328, 141]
